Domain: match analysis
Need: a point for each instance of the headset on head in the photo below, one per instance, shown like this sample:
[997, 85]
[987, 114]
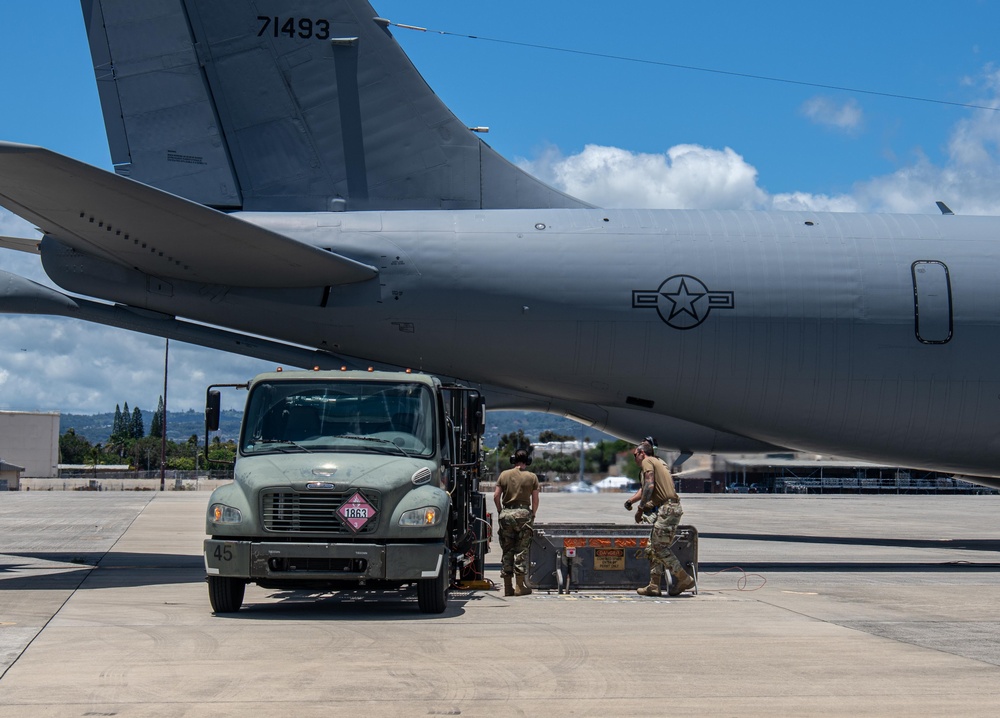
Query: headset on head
[520, 457]
[647, 446]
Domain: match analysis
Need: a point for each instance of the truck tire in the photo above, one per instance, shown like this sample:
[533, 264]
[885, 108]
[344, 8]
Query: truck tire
[432, 593]
[226, 593]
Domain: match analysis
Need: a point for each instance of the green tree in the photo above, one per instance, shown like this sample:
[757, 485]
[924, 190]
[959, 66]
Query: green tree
[137, 431]
[119, 439]
[222, 452]
[144, 453]
[547, 435]
[596, 460]
[562, 464]
[101, 455]
[606, 453]
[74, 449]
[189, 455]
[117, 429]
[509, 444]
[126, 421]
[156, 424]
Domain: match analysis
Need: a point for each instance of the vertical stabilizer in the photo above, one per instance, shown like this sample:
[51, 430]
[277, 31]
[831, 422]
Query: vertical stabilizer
[158, 109]
[287, 106]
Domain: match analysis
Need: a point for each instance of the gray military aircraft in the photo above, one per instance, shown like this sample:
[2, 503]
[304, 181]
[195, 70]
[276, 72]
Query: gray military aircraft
[288, 187]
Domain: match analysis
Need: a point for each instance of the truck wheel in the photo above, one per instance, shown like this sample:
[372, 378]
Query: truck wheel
[432, 593]
[226, 593]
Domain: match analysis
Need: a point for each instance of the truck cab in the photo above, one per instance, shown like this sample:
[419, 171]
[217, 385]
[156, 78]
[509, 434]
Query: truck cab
[350, 480]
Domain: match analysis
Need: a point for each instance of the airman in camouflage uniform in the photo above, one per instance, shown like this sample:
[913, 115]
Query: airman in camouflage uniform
[659, 504]
[516, 499]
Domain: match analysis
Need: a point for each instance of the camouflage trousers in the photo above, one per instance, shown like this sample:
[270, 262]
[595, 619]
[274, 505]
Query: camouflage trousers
[515, 530]
[661, 558]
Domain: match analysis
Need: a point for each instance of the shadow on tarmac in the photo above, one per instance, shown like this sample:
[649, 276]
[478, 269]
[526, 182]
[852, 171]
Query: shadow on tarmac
[350, 605]
[72, 571]
[847, 565]
[943, 543]
[105, 559]
[852, 567]
[59, 571]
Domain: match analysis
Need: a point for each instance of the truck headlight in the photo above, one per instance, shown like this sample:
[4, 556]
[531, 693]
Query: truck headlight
[222, 514]
[427, 516]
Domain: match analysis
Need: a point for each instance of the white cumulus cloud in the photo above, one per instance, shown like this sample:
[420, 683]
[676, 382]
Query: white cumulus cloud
[70, 366]
[13, 226]
[683, 177]
[969, 178]
[844, 117]
[691, 176]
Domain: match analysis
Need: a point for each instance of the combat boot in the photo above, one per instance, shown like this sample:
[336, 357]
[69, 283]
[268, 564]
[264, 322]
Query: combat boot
[682, 581]
[508, 586]
[523, 589]
[653, 589]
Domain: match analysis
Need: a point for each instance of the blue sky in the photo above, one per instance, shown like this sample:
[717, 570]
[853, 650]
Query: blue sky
[533, 98]
[617, 132]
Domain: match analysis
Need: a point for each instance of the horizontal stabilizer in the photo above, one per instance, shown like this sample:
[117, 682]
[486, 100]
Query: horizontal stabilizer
[22, 296]
[21, 244]
[102, 214]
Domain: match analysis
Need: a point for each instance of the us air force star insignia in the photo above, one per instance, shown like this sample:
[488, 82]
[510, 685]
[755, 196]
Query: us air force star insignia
[682, 301]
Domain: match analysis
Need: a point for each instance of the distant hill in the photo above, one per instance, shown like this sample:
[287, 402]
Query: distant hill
[96, 428]
[534, 422]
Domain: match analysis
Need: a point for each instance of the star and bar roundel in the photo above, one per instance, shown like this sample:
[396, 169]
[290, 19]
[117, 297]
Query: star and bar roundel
[682, 301]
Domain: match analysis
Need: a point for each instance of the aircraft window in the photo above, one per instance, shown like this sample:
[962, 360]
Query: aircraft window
[932, 302]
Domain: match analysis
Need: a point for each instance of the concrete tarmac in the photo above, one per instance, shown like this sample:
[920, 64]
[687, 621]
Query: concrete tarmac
[808, 605]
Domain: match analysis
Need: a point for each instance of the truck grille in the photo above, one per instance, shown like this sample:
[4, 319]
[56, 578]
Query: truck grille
[289, 511]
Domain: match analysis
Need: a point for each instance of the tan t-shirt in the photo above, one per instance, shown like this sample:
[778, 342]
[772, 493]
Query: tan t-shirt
[663, 482]
[516, 487]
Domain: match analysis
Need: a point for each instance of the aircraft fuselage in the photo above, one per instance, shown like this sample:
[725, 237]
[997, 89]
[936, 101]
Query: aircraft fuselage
[866, 335]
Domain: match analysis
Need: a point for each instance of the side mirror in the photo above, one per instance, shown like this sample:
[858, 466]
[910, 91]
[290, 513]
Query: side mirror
[213, 410]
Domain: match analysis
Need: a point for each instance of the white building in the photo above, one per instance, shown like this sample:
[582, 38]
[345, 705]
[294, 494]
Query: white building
[10, 476]
[31, 440]
[562, 447]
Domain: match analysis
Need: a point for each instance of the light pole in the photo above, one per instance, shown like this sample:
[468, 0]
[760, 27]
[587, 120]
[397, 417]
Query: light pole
[163, 421]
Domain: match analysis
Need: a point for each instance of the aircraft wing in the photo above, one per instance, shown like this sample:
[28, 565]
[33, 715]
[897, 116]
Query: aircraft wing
[99, 213]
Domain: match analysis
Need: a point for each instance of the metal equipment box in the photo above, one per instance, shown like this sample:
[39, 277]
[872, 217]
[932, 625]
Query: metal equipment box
[567, 557]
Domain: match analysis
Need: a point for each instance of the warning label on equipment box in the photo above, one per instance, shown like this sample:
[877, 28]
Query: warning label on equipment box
[609, 559]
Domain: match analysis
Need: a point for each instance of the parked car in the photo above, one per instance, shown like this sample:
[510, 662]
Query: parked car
[580, 487]
[737, 489]
[617, 483]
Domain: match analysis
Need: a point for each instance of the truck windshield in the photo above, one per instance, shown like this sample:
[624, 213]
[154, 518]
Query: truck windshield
[355, 416]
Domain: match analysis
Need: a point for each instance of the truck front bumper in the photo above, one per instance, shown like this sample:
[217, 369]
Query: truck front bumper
[261, 560]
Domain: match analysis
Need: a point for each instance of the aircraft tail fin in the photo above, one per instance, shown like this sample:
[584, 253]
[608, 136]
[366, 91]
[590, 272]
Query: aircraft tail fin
[316, 109]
